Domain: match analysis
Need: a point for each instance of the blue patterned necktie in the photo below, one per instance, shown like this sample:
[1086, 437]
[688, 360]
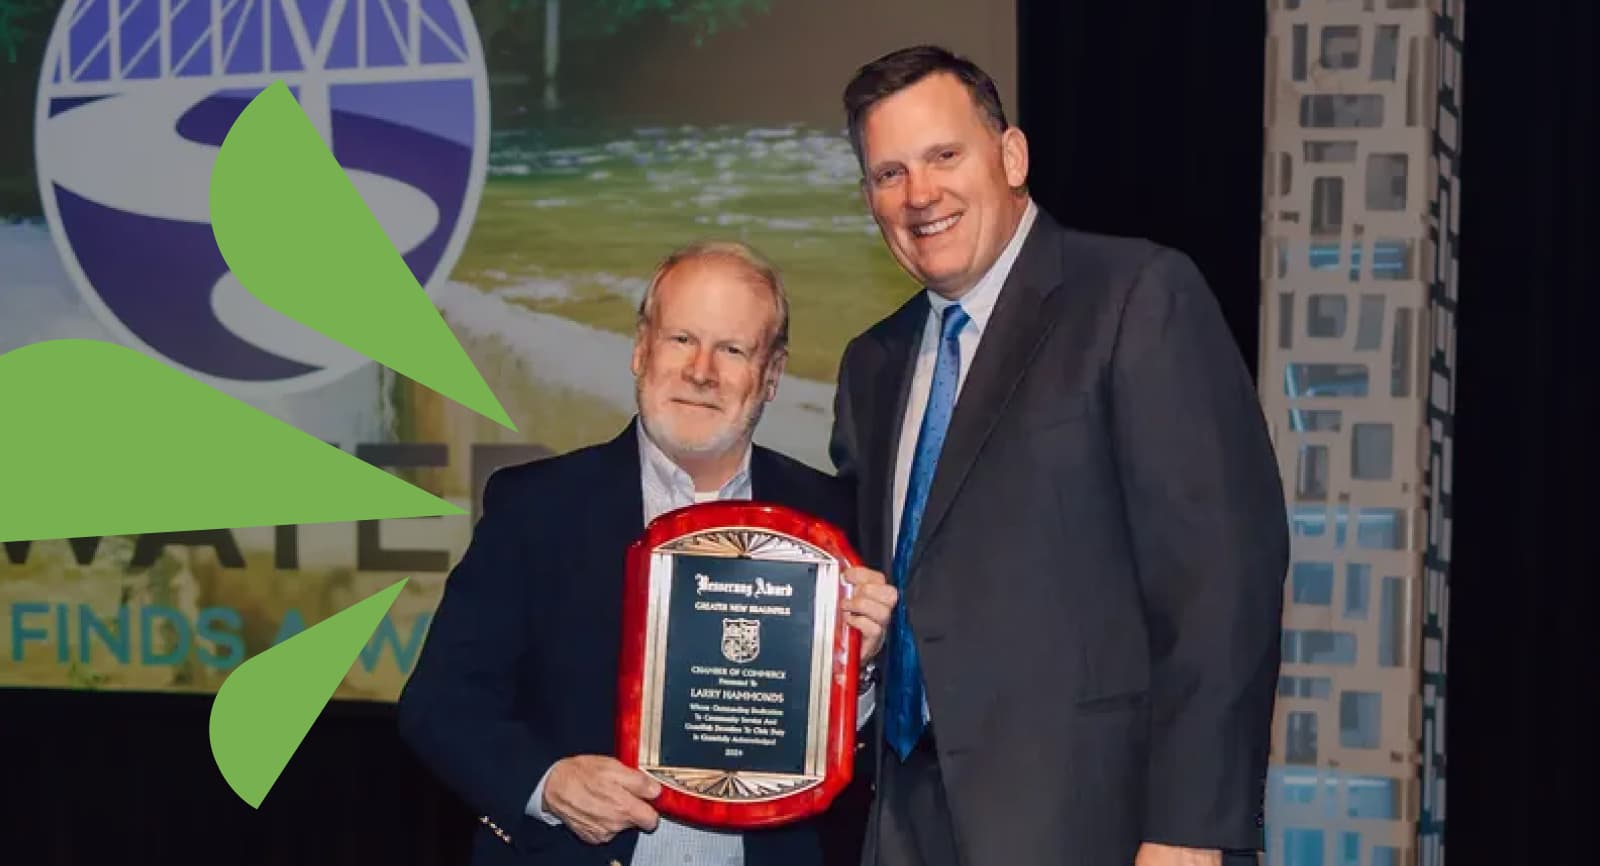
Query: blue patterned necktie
[903, 719]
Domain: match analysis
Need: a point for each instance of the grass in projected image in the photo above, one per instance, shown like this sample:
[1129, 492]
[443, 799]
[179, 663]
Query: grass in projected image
[572, 223]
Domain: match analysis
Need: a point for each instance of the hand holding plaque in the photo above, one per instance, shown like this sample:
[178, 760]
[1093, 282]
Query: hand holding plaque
[738, 671]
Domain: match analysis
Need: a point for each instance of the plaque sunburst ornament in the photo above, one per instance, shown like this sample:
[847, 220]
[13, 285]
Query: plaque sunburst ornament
[744, 542]
[724, 785]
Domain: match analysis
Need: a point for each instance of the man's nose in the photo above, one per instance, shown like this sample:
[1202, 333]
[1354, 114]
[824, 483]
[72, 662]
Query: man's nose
[921, 191]
[702, 368]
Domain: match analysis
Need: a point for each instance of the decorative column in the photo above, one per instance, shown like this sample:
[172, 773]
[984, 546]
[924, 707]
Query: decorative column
[1357, 356]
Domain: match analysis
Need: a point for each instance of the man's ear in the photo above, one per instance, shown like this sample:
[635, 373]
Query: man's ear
[1014, 155]
[641, 334]
[775, 373]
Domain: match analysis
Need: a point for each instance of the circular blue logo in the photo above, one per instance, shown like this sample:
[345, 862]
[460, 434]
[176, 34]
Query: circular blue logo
[135, 98]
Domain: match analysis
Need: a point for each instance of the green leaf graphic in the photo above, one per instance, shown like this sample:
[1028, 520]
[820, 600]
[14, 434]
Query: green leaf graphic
[297, 234]
[114, 443]
[266, 706]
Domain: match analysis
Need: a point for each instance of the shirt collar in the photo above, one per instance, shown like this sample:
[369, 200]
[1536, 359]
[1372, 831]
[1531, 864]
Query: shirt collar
[979, 302]
[672, 477]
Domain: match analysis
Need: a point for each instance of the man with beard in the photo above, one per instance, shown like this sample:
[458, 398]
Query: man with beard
[513, 700]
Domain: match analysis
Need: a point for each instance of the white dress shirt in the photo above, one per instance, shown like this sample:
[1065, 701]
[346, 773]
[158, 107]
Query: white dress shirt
[666, 486]
[979, 304]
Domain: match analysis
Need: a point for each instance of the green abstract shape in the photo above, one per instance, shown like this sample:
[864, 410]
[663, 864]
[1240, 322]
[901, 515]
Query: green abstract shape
[298, 236]
[266, 706]
[105, 441]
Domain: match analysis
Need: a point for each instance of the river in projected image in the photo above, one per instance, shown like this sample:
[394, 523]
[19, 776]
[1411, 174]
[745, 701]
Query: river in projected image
[572, 222]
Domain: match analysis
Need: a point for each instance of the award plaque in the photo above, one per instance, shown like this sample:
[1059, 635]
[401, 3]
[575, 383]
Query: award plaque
[738, 673]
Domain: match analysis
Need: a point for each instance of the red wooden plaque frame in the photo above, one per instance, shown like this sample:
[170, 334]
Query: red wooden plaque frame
[746, 810]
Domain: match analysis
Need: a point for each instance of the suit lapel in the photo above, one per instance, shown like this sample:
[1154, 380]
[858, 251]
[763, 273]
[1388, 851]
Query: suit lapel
[1023, 316]
[618, 519]
[763, 476]
[891, 391]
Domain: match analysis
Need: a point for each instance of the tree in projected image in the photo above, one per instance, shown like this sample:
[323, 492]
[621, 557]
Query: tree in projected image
[519, 22]
[21, 21]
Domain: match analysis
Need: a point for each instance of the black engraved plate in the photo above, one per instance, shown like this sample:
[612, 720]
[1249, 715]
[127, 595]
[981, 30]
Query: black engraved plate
[738, 664]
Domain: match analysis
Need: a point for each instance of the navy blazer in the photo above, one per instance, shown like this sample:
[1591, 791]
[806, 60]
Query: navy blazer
[519, 666]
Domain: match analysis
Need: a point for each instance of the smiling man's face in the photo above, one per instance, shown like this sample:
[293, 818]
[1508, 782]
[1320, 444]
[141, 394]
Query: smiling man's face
[703, 364]
[942, 183]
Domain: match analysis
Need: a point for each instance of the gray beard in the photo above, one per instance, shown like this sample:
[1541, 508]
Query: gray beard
[719, 444]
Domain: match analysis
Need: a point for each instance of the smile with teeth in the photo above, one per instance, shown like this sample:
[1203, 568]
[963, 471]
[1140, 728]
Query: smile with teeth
[936, 227]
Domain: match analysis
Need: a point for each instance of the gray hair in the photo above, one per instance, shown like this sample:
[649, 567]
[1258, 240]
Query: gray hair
[737, 252]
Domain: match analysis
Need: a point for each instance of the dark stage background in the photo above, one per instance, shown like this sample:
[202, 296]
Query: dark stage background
[1523, 659]
[1143, 121]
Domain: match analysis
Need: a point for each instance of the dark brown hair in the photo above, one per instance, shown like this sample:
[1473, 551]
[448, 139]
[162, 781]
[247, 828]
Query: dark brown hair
[900, 69]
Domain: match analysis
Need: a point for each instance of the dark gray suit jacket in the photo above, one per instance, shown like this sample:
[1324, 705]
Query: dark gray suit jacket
[1097, 586]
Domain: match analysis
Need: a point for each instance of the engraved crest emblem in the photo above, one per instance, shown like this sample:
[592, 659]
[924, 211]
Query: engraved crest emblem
[741, 640]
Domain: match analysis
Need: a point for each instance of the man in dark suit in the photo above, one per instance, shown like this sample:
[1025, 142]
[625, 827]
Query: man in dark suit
[1062, 462]
[513, 700]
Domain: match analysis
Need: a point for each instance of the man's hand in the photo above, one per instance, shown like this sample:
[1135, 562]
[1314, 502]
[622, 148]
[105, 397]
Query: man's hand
[869, 607]
[1151, 854]
[598, 797]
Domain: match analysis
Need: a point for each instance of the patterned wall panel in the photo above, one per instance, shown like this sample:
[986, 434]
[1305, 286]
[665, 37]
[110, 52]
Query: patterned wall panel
[1355, 382]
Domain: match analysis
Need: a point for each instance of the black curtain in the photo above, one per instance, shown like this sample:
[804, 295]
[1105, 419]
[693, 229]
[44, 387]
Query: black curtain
[129, 778]
[1146, 120]
[1523, 648]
